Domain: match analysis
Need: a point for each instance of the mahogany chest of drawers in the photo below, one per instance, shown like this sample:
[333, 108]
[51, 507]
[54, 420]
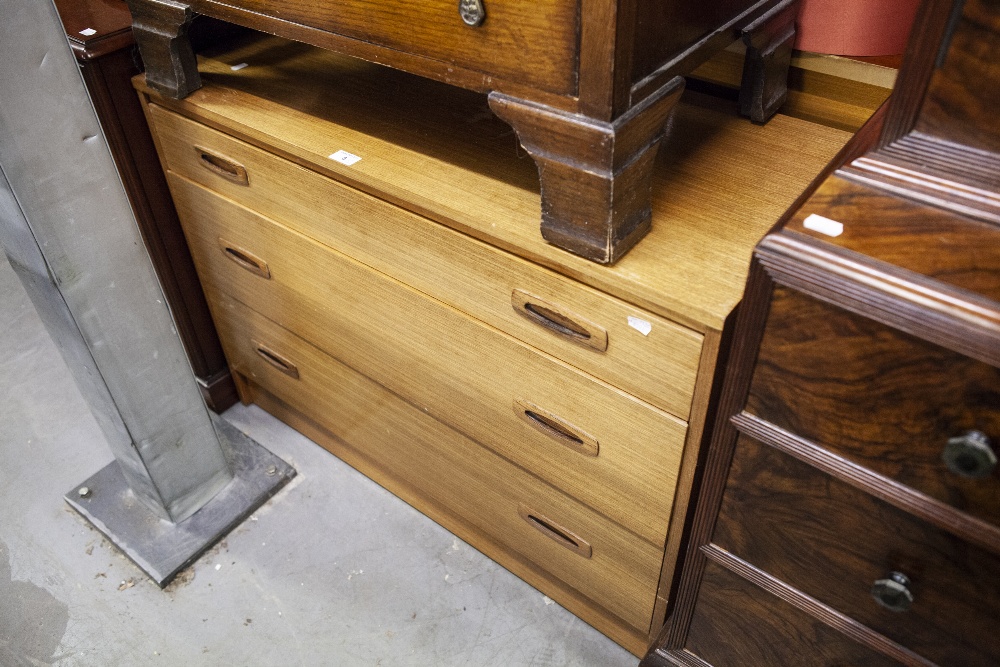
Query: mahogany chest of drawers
[587, 84]
[359, 235]
[850, 508]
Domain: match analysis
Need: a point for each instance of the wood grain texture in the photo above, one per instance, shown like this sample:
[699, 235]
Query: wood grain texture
[457, 369]
[899, 231]
[596, 210]
[449, 473]
[465, 273]
[934, 512]
[160, 29]
[439, 152]
[735, 624]
[812, 607]
[109, 19]
[964, 91]
[595, 176]
[941, 144]
[832, 541]
[533, 43]
[823, 89]
[768, 41]
[881, 398]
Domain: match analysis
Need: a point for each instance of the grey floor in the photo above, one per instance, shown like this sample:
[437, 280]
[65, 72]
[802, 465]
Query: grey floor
[332, 571]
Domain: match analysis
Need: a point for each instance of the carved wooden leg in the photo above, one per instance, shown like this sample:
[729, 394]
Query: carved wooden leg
[595, 175]
[160, 29]
[765, 70]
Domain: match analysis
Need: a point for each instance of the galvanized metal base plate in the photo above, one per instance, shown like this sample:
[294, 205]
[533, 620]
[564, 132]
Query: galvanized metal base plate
[161, 548]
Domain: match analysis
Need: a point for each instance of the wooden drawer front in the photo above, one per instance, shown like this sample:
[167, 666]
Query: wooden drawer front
[736, 624]
[881, 398]
[833, 542]
[531, 43]
[487, 283]
[482, 489]
[461, 371]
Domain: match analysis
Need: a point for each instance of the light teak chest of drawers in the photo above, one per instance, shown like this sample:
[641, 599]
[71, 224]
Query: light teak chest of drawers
[397, 310]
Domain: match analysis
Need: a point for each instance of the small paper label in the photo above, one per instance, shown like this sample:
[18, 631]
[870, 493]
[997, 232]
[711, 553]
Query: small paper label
[343, 157]
[87, 32]
[237, 68]
[640, 325]
[818, 223]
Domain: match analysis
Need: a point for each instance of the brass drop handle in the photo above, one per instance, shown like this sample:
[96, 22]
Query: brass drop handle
[970, 455]
[221, 165]
[555, 532]
[277, 360]
[557, 319]
[245, 258]
[893, 592]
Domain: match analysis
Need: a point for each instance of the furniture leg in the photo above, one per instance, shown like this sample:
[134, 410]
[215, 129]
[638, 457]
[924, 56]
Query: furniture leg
[595, 175]
[769, 53]
[160, 30]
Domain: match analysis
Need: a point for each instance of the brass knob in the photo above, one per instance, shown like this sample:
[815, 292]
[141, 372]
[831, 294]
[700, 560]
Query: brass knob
[472, 12]
[970, 455]
[893, 592]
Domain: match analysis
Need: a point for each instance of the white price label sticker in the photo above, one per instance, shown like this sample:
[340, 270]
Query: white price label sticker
[87, 32]
[640, 325]
[818, 223]
[343, 157]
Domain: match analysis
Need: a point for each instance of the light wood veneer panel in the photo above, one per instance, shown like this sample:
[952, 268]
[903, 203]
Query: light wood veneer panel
[455, 473]
[455, 368]
[719, 184]
[465, 273]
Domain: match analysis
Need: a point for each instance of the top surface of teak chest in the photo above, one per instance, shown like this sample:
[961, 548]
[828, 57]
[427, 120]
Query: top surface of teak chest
[439, 151]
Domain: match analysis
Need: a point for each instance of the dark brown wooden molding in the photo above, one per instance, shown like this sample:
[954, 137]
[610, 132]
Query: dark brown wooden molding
[928, 30]
[814, 608]
[768, 43]
[950, 317]
[934, 512]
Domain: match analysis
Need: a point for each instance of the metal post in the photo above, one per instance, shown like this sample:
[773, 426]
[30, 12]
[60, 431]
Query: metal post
[68, 230]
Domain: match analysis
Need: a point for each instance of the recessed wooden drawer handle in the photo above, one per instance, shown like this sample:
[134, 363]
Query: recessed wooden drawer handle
[279, 361]
[893, 592]
[970, 455]
[556, 427]
[555, 532]
[561, 321]
[222, 166]
[245, 258]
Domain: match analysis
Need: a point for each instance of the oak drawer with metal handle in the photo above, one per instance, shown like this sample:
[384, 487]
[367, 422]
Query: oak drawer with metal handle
[458, 369]
[909, 410]
[522, 517]
[873, 562]
[646, 355]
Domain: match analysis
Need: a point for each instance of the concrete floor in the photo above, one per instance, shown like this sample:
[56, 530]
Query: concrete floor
[332, 571]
